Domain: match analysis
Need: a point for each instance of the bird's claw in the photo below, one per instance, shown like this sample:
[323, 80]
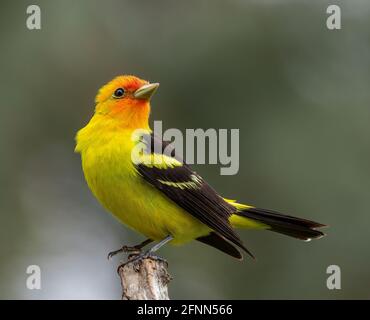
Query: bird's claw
[125, 249]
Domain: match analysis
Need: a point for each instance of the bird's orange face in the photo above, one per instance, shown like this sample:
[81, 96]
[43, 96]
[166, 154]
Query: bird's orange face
[126, 98]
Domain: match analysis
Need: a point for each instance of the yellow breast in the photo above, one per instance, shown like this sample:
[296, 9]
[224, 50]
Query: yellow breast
[106, 160]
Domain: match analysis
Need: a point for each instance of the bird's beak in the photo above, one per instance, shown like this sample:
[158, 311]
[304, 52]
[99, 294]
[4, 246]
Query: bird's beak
[146, 91]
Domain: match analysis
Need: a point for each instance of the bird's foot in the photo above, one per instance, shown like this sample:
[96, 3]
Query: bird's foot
[135, 258]
[144, 255]
[134, 250]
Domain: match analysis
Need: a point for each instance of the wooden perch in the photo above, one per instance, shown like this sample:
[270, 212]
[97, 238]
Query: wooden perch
[145, 279]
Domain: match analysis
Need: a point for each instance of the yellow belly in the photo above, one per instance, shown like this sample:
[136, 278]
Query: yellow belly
[113, 180]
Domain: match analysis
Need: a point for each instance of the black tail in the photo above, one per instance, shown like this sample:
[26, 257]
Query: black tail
[291, 226]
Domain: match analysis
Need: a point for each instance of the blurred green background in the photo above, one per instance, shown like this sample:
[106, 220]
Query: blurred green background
[298, 92]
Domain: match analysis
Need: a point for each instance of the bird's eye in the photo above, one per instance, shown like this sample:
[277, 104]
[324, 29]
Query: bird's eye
[119, 93]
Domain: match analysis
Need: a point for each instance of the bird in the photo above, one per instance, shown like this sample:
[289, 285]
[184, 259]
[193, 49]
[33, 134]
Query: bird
[156, 193]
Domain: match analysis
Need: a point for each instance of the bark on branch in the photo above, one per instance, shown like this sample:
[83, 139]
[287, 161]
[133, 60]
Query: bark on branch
[145, 279]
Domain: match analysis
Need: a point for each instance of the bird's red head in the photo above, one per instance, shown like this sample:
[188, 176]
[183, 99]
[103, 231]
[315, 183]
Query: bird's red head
[126, 98]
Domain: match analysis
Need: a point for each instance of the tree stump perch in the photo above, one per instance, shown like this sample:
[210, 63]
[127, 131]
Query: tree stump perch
[145, 279]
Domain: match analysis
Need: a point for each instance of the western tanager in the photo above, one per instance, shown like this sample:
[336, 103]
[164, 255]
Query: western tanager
[164, 200]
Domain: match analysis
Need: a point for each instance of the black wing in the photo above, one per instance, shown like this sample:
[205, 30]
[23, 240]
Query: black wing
[188, 190]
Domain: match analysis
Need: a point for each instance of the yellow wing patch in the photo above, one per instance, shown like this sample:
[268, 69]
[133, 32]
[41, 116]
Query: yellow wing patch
[156, 160]
[193, 184]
